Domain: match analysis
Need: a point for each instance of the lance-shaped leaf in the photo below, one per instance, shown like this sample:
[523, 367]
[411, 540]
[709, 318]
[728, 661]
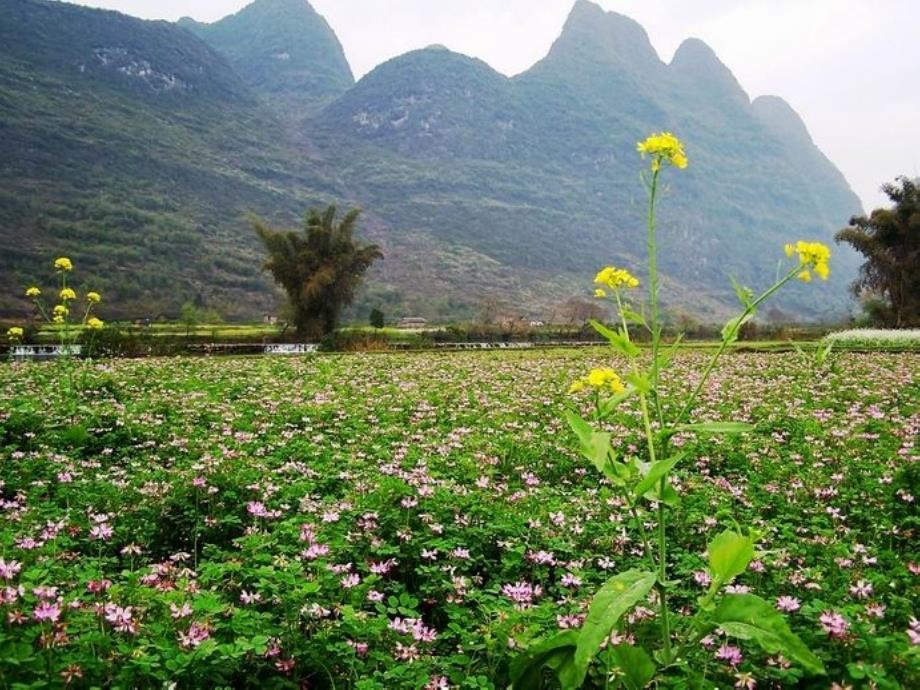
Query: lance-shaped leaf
[654, 475]
[641, 382]
[595, 445]
[732, 329]
[526, 669]
[634, 317]
[745, 294]
[748, 617]
[619, 595]
[729, 555]
[610, 404]
[618, 340]
[638, 669]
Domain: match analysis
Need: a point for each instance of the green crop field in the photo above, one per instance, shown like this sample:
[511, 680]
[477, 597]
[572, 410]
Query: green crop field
[415, 520]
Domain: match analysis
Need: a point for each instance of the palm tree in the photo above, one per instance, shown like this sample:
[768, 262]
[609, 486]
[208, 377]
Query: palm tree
[890, 240]
[320, 268]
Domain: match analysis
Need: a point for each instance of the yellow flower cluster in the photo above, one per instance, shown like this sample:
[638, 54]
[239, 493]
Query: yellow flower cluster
[63, 264]
[599, 378]
[15, 333]
[93, 297]
[33, 292]
[94, 324]
[60, 312]
[814, 256]
[68, 294]
[663, 147]
[614, 278]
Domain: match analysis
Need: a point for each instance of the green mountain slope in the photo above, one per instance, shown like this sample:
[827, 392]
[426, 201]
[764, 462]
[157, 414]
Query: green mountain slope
[134, 148]
[475, 184]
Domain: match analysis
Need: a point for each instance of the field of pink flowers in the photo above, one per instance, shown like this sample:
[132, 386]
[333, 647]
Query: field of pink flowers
[414, 521]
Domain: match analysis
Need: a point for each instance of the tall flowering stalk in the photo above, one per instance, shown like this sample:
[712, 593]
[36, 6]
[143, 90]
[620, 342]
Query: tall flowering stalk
[61, 316]
[573, 653]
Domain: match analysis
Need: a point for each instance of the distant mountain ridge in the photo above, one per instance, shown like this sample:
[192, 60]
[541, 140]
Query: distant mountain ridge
[475, 184]
[284, 51]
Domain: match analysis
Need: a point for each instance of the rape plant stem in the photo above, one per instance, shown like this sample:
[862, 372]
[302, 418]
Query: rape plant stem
[653, 287]
[650, 439]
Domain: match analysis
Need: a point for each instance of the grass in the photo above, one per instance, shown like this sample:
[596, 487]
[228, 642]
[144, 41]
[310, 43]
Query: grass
[273, 522]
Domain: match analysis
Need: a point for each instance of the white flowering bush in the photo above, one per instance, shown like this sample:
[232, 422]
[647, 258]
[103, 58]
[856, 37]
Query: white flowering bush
[876, 338]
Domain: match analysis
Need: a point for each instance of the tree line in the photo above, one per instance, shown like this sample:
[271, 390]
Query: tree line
[321, 266]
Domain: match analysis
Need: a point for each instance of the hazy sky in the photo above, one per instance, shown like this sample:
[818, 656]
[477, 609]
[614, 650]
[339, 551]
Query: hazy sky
[848, 66]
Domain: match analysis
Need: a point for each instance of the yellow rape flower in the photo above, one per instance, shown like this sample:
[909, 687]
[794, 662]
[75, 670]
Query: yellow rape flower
[599, 378]
[664, 148]
[616, 278]
[814, 256]
[15, 333]
[63, 264]
[94, 323]
[68, 293]
[61, 310]
[33, 292]
[93, 297]
[600, 294]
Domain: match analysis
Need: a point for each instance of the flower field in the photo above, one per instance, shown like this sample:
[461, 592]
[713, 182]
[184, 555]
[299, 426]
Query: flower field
[417, 520]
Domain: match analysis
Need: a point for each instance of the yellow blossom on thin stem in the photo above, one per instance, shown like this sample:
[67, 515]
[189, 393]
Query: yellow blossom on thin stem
[68, 294]
[63, 264]
[93, 297]
[61, 310]
[33, 292]
[15, 333]
[599, 378]
[663, 148]
[814, 256]
[616, 278]
[94, 324]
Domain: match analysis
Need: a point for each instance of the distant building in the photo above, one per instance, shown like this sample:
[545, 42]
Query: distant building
[412, 322]
[537, 324]
[269, 319]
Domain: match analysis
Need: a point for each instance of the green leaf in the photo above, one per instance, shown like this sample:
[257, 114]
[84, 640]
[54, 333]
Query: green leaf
[582, 429]
[611, 403]
[634, 317]
[619, 595]
[654, 475]
[619, 340]
[729, 555]
[595, 445]
[748, 617]
[745, 294]
[733, 328]
[717, 428]
[669, 496]
[562, 663]
[526, 669]
[638, 669]
[640, 382]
